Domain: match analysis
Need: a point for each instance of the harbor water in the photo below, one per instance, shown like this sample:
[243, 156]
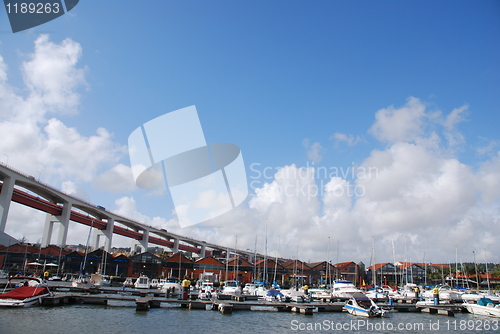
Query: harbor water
[121, 317]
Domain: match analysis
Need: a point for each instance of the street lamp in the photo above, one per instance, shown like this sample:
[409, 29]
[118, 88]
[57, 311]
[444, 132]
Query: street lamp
[6, 163]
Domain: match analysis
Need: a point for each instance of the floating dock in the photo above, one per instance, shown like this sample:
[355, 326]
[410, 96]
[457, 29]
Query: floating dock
[145, 301]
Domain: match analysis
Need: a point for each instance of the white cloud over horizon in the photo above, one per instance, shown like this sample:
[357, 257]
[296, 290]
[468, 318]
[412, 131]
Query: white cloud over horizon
[421, 193]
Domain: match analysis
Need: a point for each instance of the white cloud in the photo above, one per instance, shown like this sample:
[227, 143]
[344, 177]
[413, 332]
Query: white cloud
[36, 144]
[314, 151]
[118, 179]
[51, 75]
[349, 139]
[403, 124]
[418, 190]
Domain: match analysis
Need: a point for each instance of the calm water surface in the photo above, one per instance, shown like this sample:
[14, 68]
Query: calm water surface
[121, 317]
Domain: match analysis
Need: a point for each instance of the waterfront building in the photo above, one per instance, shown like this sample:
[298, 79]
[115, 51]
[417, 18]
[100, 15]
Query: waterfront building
[146, 264]
[383, 274]
[323, 272]
[14, 258]
[177, 265]
[349, 271]
[297, 273]
[209, 264]
[239, 269]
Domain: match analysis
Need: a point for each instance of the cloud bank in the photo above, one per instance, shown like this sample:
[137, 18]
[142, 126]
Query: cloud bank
[418, 193]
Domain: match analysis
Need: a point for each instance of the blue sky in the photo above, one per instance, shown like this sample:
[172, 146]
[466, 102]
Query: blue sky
[285, 81]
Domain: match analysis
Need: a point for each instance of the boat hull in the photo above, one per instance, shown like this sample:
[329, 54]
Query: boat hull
[483, 310]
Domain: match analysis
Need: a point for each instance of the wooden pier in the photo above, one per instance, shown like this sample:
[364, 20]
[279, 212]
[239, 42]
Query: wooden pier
[145, 301]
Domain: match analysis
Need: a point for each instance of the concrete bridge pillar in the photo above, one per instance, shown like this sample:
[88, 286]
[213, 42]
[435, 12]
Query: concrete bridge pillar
[47, 229]
[97, 238]
[5, 199]
[175, 248]
[144, 241]
[202, 251]
[108, 232]
[64, 220]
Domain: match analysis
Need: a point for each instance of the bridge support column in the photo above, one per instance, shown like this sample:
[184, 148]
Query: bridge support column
[202, 251]
[144, 241]
[64, 220]
[97, 237]
[175, 249]
[5, 199]
[47, 229]
[108, 232]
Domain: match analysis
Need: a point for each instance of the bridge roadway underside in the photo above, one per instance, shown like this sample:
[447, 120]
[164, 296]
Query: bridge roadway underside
[41, 204]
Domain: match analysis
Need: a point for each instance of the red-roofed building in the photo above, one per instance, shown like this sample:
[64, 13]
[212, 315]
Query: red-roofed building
[297, 270]
[383, 274]
[15, 257]
[349, 271]
[209, 264]
[177, 265]
[240, 270]
[261, 273]
[323, 272]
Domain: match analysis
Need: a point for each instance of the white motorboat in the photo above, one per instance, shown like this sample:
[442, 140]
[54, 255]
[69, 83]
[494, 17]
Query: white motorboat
[207, 290]
[471, 296]
[232, 288]
[344, 289]
[254, 290]
[142, 282]
[446, 294]
[274, 295]
[171, 286]
[320, 292]
[377, 293]
[361, 305]
[484, 306]
[30, 292]
[128, 283]
[296, 295]
[92, 281]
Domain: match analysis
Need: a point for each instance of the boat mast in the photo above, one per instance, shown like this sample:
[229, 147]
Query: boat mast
[265, 260]
[486, 264]
[395, 268]
[236, 257]
[475, 266]
[328, 264]
[84, 263]
[425, 263]
[406, 259]
[374, 271]
[254, 257]
[276, 261]
[337, 271]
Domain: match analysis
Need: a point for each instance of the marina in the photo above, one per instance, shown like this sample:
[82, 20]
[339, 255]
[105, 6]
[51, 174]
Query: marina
[119, 316]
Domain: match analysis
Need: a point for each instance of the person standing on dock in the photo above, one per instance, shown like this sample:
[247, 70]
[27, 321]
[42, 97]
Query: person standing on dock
[186, 283]
[416, 290]
[435, 292]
